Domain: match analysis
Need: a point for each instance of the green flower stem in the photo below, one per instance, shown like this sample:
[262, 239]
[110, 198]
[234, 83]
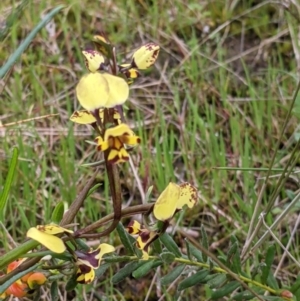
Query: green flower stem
[222, 265]
[205, 266]
[220, 270]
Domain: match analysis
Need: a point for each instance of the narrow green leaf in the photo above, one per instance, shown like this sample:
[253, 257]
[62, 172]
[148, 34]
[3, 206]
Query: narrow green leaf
[174, 274]
[16, 54]
[272, 282]
[266, 269]
[126, 239]
[54, 291]
[156, 246]
[58, 213]
[193, 280]
[148, 193]
[246, 295]
[17, 252]
[223, 259]
[94, 188]
[204, 242]
[82, 245]
[170, 244]
[115, 259]
[296, 286]
[102, 269]
[146, 268]
[217, 281]
[233, 257]
[167, 257]
[13, 279]
[232, 250]
[71, 283]
[193, 252]
[126, 271]
[226, 290]
[8, 182]
[211, 264]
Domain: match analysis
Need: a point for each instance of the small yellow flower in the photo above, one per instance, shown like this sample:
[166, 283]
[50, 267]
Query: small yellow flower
[87, 262]
[85, 274]
[27, 283]
[114, 140]
[130, 73]
[134, 227]
[144, 238]
[45, 235]
[35, 279]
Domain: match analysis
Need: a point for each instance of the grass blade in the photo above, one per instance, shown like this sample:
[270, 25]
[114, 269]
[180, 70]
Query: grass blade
[8, 182]
[15, 56]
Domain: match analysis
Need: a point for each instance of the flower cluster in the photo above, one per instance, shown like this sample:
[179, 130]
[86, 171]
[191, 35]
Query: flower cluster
[144, 237]
[99, 90]
[101, 93]
[25, 285]
[86, 262]
[171, 200]
[114, 140]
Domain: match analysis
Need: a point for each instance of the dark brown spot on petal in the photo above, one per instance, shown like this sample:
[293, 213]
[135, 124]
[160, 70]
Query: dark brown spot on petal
[155, 54]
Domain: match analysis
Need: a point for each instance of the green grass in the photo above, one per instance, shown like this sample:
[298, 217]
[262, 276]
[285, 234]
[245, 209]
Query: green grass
[205, 104]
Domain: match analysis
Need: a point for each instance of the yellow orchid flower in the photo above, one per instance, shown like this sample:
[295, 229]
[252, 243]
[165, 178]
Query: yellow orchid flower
[85, 274]
[94, 61]
[101, 90]
[92, 91]
[173, 198]
[114, 140]
[87, 262]
[145, 56]
[144, 238]
[45, 235]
